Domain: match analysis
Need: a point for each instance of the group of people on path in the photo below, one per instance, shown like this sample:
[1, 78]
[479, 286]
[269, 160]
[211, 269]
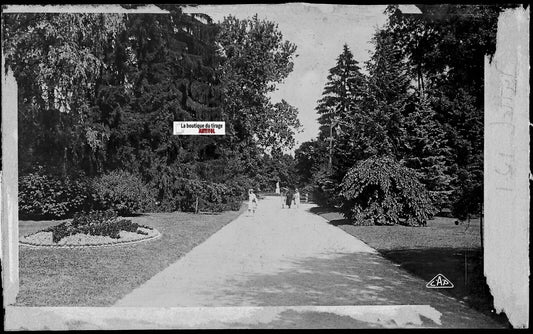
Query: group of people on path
[288, 198]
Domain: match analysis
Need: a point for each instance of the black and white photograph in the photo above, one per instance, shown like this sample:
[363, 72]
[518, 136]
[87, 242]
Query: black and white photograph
[265, 166]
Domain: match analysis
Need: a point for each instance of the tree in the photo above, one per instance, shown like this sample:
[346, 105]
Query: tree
[426, 150]
[159, 73]
[341, 93]
[381, 191]
[445, 46]
[386, 99]
[35, 47]
[337, 109]
[309, 156]
[255, 58]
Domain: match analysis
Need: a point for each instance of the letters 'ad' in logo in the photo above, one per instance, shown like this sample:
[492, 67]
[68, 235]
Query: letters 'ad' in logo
[439, 282]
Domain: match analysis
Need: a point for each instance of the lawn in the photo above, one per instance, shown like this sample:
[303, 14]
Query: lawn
[442, 247]
[100, 276]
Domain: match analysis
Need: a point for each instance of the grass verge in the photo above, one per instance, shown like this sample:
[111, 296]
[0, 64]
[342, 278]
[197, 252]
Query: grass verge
[442, 247]
[100, 276]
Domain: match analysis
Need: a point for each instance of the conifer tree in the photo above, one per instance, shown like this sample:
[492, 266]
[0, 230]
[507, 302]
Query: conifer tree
[338, 108]
[341, 93]
[385, 100]
[426, 150]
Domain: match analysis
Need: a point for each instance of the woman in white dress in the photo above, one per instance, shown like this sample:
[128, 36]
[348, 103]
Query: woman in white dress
[297, 198]
[252, 201]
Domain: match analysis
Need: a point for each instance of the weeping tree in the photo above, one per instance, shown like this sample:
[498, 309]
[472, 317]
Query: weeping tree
[56, 59]
[381, 191]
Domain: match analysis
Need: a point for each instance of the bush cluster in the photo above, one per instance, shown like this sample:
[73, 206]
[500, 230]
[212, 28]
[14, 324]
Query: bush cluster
[122, 192]
[214, 197]
[103, 223]
[381, 191]
[324, 190]
[42, 196]
[46, 196]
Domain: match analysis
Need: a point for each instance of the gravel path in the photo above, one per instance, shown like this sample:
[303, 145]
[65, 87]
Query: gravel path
[292, 258]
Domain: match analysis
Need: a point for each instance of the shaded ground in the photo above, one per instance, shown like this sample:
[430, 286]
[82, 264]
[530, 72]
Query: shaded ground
[100, 276]
[440, 248]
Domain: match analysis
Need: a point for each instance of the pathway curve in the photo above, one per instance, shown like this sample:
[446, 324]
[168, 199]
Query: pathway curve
[293, 269]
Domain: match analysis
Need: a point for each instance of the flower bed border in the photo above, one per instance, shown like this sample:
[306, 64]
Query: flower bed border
[108, 244]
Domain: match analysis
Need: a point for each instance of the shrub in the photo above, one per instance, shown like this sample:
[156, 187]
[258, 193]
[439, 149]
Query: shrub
[123, 192]
[325, 191]
[178, 190]
[239, 187]
[43, 196]
[469, 202]
[214, 197]
[103, 223]
[381, 191]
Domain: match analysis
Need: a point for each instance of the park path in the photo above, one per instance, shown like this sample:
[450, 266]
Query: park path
[289, 268]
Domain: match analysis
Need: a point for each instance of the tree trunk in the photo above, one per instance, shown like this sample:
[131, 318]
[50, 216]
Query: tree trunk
[481, 225]
[64, 162]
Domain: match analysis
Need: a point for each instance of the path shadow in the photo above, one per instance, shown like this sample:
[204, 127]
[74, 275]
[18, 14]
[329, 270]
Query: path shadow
[317, 210]
[332, 215]
[462, 266]
[340, 222]
[348, 279]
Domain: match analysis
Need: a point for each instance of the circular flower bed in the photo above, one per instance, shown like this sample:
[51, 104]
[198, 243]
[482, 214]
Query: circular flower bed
[91, 229]
[44, 239]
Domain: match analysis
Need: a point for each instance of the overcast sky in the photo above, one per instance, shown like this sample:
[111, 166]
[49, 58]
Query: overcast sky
[319, 31]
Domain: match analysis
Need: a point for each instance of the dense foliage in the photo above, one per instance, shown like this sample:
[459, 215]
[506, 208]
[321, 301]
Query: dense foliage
[104, 223]
[98, 94]
[123, 192]
[420, 102]
[255, 59]
[381, 191]
[48, 196]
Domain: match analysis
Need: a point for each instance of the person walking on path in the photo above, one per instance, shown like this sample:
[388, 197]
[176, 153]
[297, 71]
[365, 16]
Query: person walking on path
[252, 201]
[297, 198]
[290, 197]
[283, 197]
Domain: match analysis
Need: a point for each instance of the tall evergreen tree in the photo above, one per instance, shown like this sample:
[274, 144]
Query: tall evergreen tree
[426, 150]
[161, 69]
[386, 99]
[338, 108]
[341, 93]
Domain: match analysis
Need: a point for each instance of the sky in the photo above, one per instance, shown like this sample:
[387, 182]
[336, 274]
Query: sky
[319, 32]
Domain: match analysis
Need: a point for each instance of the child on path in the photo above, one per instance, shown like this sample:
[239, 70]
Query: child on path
[252, 201]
